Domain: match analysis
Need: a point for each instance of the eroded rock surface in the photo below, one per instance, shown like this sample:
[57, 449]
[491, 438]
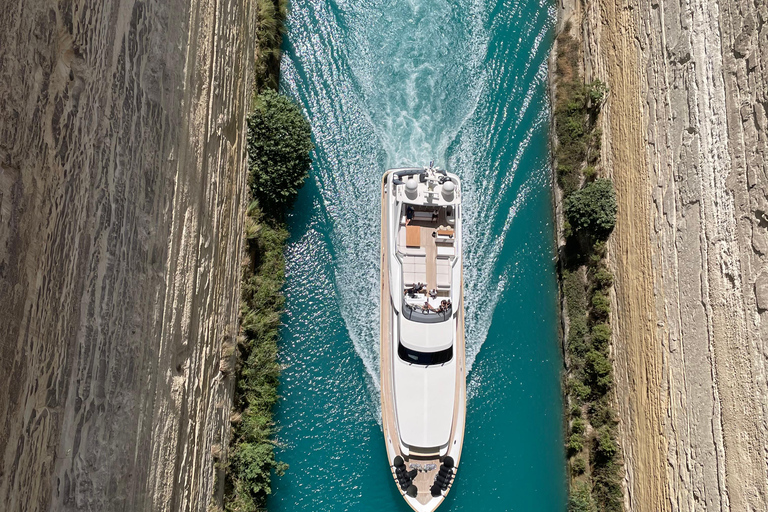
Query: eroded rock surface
[121, 189]
[686, 141]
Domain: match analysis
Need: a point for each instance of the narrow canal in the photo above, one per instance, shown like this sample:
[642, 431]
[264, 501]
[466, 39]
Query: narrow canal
[390, 83]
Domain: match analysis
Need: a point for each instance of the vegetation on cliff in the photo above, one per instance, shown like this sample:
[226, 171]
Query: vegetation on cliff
[589, 215]
[279, 143]
[270, 16]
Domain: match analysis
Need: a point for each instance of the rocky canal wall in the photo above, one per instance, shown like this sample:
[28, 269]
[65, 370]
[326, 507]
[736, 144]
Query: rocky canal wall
[122, 168]
[685, 141]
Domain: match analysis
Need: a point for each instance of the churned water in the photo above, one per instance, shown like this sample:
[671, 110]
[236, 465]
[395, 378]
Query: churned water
[392, 83]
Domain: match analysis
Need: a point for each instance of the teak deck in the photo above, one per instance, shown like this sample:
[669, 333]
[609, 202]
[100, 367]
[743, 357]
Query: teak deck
[423, 480]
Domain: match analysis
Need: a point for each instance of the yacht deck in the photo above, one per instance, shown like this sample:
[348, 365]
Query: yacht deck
[427, 258]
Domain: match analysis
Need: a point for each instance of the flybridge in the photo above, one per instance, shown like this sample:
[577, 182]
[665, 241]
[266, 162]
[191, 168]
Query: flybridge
[425, 186]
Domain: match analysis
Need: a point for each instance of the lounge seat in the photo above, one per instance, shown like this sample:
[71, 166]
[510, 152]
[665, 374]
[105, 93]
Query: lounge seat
[443, 273]
[414, 269]
[420, 215]
[445, 250]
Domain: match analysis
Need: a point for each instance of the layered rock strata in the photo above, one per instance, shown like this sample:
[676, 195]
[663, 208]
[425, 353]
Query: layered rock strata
[121, 189]
[686, 141]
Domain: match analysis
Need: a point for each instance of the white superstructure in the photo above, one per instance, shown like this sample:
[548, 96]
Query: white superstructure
[422, 331]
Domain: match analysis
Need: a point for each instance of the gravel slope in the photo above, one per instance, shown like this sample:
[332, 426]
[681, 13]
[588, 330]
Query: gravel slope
[121, 190]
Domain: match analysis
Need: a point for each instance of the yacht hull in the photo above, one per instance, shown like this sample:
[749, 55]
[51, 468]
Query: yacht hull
[428, 460]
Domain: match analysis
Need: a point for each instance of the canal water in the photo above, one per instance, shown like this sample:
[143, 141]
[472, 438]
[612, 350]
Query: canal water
[394, 83]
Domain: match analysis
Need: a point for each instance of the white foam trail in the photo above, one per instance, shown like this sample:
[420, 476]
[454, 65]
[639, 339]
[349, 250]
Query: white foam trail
[387, 84]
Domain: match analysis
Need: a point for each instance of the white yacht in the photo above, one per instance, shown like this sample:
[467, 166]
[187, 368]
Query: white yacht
[423, 376]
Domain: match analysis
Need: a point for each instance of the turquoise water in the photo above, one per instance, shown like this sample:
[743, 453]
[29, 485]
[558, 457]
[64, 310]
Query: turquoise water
[397, 83]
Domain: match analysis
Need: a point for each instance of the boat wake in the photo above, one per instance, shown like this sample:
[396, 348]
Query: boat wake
[393, 85]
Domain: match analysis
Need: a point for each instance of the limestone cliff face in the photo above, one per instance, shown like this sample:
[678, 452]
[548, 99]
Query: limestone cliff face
[686, 141]
[121, 189]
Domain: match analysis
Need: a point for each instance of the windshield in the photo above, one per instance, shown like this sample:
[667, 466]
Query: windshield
[424, 358]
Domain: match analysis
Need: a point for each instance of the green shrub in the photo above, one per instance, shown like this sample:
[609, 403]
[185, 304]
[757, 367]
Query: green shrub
[603, 278]
[601, 305]
[252, 460]
[590, 173]
[601, 336]
[598, 371]
[594, 144]
[601, 413]
[591, 211]
[270, 26]
[580, 390]
[580, 499]
[578, 426]
[607, 489]
[599, 249]
[578, 466]
[577, 333]
[567, 231]
[575, 444]
[574, 126]
[567, 178]
[279, 142]
[575, 293]
[605, 448]
[576, 411]
[596, 92]
[606, 485]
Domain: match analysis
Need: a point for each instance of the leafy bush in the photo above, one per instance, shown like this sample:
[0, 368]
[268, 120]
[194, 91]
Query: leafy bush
[576, 336]
[279, 142]
[580, 390]
[590, 173]
[607, 484]
[575, 293]
[601, 336]
[270, 16]
[596, 92]
[252, 458]
[598, 371]
[607, 471]
[603, 278]
[575, 444]
[601, 413]
[591, 211]
[605, 447]
[581, 499]
[578, 466]
[599, 249]
[567, 178]
[578, 426]
[601, 305]
[607, 489]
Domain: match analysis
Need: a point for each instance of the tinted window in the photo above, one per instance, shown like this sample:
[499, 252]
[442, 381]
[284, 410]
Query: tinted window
[424, 358]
